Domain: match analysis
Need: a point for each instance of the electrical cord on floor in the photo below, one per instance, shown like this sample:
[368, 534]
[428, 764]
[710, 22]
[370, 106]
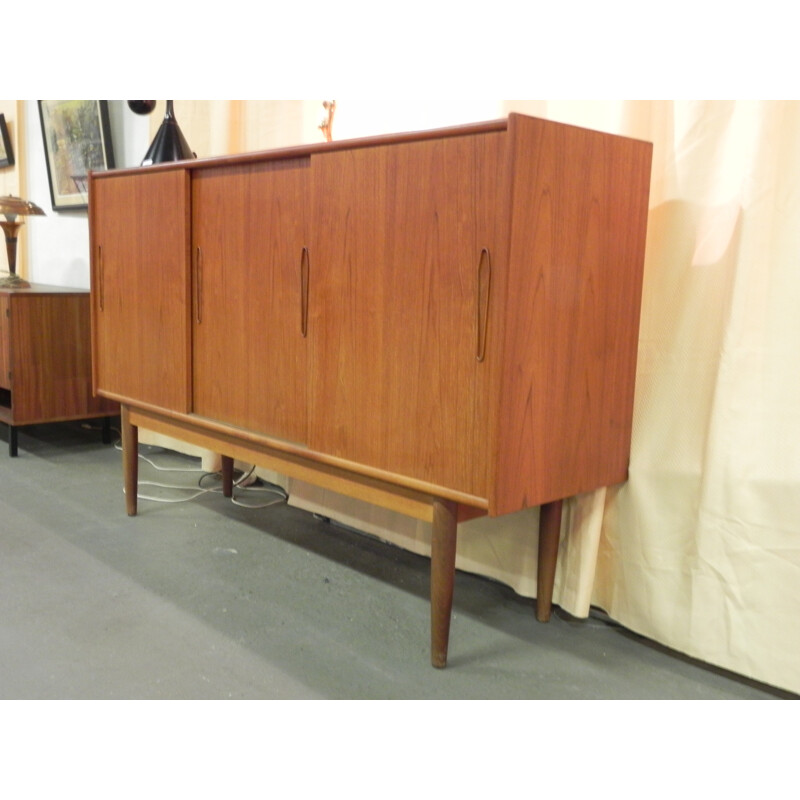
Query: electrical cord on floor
[247, 482]
[251, 484]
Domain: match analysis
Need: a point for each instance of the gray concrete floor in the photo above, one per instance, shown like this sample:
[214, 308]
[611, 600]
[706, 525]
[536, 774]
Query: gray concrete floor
[206, 599]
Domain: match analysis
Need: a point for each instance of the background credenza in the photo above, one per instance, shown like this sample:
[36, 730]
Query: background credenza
[444, 322]
[45, 359]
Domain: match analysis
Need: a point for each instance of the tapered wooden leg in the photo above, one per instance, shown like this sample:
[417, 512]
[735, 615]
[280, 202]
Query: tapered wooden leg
[549, 529]
[227, 476]
[12, 441]
[130, 460]
[443, 573]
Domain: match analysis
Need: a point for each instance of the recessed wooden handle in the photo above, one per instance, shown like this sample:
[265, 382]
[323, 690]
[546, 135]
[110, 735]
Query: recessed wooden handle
[304, 267]
[484, 281]
[100, 277]
[198, 288]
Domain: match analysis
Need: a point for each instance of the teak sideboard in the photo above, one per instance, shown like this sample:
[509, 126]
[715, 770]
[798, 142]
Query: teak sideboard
[443, 323]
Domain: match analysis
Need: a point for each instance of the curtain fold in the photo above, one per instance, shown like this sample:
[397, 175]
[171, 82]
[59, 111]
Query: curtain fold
[700, 548]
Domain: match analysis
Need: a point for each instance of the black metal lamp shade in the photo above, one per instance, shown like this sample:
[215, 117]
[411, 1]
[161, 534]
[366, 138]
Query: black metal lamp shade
[169, 143]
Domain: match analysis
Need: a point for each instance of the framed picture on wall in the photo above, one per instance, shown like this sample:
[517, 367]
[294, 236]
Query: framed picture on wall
[6, 153]
[77, 139]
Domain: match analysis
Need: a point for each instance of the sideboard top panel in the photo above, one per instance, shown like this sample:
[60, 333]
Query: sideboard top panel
[323, 147]
[317, 147]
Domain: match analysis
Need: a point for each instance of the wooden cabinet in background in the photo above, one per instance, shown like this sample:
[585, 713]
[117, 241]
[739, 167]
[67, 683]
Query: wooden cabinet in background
[444, 323]
[45, 359]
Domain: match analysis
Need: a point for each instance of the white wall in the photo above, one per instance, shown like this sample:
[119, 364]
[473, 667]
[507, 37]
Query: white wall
[58, 243]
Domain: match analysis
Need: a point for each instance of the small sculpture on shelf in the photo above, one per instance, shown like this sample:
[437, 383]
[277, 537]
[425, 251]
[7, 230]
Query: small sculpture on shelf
[326, 126]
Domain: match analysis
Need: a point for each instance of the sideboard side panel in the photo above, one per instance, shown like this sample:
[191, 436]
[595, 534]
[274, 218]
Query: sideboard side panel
[572, 306]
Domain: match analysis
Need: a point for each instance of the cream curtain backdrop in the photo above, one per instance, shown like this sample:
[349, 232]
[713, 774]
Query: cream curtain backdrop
[700, 549]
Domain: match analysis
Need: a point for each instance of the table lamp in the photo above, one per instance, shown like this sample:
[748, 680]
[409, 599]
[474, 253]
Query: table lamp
[169, 143]
[11, 208]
